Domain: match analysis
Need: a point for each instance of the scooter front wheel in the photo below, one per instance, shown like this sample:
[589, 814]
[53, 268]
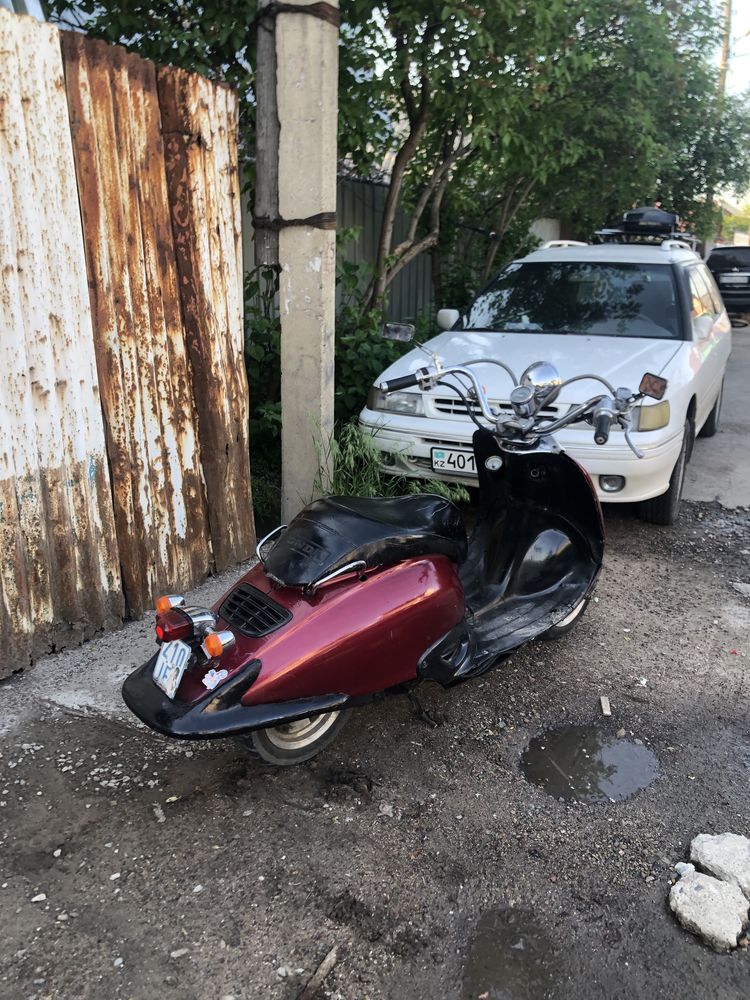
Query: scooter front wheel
[294, 742]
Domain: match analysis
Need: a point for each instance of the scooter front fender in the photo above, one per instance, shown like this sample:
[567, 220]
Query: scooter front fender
[537, 548]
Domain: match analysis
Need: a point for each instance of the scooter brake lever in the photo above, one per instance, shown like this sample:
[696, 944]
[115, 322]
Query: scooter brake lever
[636, 451]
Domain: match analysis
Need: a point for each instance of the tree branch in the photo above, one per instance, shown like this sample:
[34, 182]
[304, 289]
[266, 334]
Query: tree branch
[428, 241]
[427, 191]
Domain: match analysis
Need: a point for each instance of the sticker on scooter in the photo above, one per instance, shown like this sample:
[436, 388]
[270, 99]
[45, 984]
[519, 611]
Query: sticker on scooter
[214, 677]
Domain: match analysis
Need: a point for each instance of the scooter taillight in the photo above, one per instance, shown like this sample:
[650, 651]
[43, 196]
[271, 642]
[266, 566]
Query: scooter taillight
[173, 625]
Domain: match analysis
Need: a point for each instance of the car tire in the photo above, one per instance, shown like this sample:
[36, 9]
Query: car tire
[568, 623]
[713, 423]
[664, 509]
[284, 746]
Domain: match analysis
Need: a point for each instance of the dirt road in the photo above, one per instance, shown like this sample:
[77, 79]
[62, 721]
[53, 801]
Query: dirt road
[135, 868]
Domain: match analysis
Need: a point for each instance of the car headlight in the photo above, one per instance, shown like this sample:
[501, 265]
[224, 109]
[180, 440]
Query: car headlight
[396, 402]
[650, 418]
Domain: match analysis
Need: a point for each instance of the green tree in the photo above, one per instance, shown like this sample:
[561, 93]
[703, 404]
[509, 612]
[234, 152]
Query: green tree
[449, 87]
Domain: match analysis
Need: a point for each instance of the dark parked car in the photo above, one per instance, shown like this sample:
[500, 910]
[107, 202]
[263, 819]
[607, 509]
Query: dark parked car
[730, 267]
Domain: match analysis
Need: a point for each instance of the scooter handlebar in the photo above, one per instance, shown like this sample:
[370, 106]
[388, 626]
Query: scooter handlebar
[401, 382]
[602, 423]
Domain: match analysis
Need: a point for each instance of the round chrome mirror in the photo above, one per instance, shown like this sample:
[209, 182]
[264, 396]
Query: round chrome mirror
[544, 379]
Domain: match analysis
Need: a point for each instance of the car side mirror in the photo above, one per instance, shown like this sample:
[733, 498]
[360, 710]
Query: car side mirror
[653, 386]
[398, 331]
[447, 318]
[738, 323]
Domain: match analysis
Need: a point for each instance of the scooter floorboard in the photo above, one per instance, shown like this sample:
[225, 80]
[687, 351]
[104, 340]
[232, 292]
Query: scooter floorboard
[506, 623]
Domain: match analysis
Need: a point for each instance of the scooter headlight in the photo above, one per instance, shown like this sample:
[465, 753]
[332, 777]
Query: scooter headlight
[396, 402]
[650, 418]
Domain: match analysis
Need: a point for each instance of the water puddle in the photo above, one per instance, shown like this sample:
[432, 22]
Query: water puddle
[588, 764]
[509, 959]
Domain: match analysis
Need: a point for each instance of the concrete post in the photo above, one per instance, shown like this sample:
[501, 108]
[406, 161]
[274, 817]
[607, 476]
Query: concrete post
[307, 102]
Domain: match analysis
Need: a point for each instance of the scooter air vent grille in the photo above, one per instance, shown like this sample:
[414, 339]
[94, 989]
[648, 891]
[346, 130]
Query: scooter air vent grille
[253, 613]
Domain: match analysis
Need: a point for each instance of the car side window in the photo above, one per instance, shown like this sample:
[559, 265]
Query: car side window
[713, 290]
[701, 303]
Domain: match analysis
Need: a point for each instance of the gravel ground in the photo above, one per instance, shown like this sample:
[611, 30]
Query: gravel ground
[170, 870]
[132, 867]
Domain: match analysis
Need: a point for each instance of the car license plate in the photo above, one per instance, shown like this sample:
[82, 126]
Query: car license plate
[453, 460]
[733, 279]
[170, 665]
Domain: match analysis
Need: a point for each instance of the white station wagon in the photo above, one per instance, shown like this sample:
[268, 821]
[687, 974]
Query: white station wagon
[617, 310]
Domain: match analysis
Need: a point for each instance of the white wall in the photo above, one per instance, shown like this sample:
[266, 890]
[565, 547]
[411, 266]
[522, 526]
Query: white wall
[546, 229]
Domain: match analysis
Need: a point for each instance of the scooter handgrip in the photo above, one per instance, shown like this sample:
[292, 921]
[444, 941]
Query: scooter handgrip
[401, 382]
[602, 424]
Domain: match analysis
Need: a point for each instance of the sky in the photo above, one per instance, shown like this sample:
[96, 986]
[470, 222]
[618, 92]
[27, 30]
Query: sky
[739, 67]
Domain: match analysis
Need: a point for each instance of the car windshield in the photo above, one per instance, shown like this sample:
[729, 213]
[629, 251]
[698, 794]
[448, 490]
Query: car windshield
[730, 257]
[579, 297]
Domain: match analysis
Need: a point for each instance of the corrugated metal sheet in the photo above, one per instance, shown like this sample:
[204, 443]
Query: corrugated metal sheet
[199, 122]
[59, 571]
[360, 204]
[144, 372]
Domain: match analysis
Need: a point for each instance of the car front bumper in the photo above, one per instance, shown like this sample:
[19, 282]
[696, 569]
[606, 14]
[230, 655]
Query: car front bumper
[407, 444]
[736, 301]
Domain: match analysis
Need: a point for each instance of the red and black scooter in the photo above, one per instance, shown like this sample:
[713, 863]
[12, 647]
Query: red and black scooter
[358, 597]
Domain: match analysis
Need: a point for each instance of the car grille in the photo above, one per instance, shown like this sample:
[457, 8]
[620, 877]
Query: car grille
[440, 443]
[454, 407]
[253, 613]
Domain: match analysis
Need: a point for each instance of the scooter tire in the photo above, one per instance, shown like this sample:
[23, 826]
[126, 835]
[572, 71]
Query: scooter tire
[284, 746]
[569, 623]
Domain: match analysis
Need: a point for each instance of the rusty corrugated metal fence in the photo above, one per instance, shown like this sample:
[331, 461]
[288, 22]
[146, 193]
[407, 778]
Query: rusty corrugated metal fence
[59, 567]
[144, 373]
[199, 123]
[168, 499]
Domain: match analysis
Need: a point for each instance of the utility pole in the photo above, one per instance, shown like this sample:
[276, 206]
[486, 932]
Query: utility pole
[726, 42]
[307, 101]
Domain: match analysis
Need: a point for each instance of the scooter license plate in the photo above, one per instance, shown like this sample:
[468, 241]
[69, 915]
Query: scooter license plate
[170, 665]
[453, 460]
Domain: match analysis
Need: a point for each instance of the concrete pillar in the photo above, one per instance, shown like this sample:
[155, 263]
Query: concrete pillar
[307, 101]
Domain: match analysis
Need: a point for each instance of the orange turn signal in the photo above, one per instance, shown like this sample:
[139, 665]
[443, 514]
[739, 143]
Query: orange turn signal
[213, 645]
[216, 643]
[167, 602]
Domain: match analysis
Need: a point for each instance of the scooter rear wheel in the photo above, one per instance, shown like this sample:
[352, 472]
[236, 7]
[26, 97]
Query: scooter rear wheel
[294, 742]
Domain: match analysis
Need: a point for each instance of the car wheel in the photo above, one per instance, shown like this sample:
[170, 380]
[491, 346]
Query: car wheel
[664, 509]
[293, 742]
[568, 623]
[713, 423]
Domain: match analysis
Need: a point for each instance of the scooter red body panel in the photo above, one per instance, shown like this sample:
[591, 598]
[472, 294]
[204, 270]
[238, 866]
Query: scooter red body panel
[353, 636]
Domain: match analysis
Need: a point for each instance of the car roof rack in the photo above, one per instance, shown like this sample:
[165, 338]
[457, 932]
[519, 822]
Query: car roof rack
[649, 226]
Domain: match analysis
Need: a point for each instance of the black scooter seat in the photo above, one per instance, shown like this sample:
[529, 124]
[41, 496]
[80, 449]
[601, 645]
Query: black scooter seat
[334, 531]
